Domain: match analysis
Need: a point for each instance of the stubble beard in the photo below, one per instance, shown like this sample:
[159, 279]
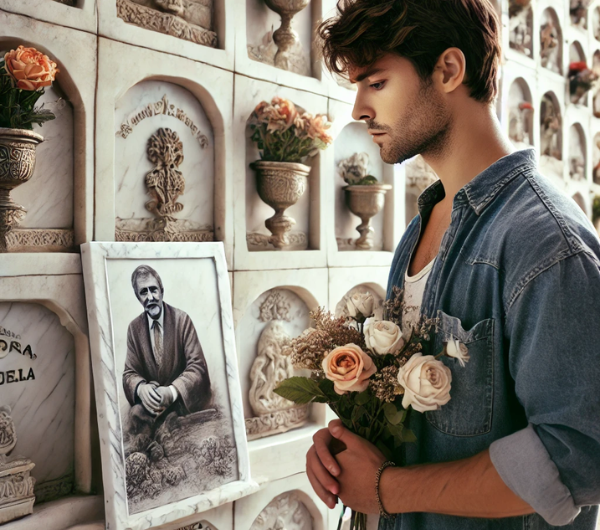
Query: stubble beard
[423, 130]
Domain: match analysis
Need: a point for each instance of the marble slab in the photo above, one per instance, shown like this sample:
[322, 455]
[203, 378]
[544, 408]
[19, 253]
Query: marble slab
[107, 269]
[205, 92]
[82, 17]
[250, 212]
[60, 194]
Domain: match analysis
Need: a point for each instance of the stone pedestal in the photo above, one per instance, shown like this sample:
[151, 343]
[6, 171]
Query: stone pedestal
[16, 489]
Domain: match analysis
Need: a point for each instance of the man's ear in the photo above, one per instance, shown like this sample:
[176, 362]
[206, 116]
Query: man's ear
[450, 70]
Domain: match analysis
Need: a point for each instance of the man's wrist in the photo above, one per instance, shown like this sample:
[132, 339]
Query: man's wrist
[388, 489]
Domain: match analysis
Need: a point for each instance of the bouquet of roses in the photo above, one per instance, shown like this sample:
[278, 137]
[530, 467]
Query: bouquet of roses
[24, 73]
[284, 132]
[369, 373]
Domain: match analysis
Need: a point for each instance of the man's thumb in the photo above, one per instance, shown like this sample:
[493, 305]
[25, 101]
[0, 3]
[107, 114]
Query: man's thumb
[337, 430]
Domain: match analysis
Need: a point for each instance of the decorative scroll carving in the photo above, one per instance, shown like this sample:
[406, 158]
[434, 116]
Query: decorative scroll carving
[284, 512]
[16, 482]
[258, 241]
[202, 525]
[161, 107]
[276, 306]
[185, 19]
[40, 240]
[276, 422]
[139, 230]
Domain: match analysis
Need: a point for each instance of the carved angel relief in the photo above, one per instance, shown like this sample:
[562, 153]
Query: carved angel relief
[284, 512]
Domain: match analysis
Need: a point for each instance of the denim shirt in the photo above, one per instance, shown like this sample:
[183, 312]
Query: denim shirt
[516, 279]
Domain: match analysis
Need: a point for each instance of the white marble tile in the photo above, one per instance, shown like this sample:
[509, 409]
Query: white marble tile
[131, 155]
[82, 17]
[107, 270]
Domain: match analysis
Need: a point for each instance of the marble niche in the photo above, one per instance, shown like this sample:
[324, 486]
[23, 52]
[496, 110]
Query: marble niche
[419, 176]
[551, 162]
[596, 23]
[578, 9]
[355, 141]
[577, 153]
[520, 114]
[49, 196]
[262, 22]
[596, 158]
[521, 26]
[191, 20]
[551, 41]
[579, 82]
[262, 335]
[596, 90]
[285, 512]
[37, 384]
[164, 165]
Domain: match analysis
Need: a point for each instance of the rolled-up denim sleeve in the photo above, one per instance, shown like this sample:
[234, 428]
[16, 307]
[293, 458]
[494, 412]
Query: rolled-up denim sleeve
[553, 333]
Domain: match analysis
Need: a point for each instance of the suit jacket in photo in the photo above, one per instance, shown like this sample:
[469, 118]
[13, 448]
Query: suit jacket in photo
[183, 364]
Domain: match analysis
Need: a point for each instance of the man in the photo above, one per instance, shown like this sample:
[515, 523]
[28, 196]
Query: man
[515, 275]
[165, 370]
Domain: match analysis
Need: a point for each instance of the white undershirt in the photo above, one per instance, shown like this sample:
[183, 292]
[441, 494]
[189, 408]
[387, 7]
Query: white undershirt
[414, 287]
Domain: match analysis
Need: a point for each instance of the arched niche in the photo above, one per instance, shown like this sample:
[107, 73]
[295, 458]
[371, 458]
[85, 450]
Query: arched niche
[551, 135]
[303, 234]
[520, 35]
[580, 202]
[292, 510]
[578, 9]
[551, 41]
[577, 89]
[165, 165]
[577, 152]
[277, 315]
[596, 92]
[596, 159]
[38, 383]
[375, 290]
[596, 22]
[520, 114]
[261, 22]
[53, 223]
[355, 151]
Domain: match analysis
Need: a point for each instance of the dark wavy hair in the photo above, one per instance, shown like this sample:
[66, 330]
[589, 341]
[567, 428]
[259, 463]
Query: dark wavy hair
[419, 30]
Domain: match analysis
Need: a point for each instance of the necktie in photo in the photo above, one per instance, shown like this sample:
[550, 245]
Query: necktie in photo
[158, 342]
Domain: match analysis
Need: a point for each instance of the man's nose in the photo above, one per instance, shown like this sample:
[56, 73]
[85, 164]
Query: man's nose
[361, 111]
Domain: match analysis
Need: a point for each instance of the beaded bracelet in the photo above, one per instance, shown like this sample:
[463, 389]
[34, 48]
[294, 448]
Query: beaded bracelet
[382, 512]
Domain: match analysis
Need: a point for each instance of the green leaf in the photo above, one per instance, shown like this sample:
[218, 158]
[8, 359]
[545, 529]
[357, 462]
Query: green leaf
[300, 390]
[357, 413]
[393, 415]
[409, 436]
[363, 398]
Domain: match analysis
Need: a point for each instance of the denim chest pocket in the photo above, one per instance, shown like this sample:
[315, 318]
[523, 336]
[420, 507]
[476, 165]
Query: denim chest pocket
[469, 411]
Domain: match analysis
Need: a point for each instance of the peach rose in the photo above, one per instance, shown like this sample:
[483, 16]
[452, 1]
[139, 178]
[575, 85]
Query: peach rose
[31, 69]
[349, 368]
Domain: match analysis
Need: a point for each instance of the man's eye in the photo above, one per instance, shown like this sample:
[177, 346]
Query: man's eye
[377, 86]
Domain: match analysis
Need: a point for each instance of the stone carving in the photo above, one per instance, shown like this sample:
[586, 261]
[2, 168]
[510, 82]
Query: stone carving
[354, 168]
[16, 482]
[520, 26]
[271, 366]
[549, 42]
[258, 241]
[550, 129]
[54, 489]
[276, 306]
[165, 183]
[164, 107]
[285, 38]
[519, 123]
[185, 19]
[419, 174]
[266, 51]
[40, 240]
[284, 512]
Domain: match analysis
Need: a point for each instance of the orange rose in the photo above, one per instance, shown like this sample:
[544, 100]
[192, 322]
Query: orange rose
[349, 368]
[31, 69]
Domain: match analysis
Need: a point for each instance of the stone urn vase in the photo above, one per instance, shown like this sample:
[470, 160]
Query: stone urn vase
[285, 37]
[365, 201]
[280, 185]
[17, 161]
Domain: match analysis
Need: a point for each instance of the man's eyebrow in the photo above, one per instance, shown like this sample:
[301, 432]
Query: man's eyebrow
[366, 74]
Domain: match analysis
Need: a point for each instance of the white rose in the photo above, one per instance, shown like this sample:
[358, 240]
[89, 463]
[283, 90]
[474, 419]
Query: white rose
[360, 304]
[457, 350]
[382, 336]
[426, 382]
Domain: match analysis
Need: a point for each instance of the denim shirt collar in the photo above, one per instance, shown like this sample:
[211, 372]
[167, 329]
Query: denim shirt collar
[482, 189]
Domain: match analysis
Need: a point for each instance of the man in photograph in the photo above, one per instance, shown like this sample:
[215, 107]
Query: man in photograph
[510, 264]
[165, 371]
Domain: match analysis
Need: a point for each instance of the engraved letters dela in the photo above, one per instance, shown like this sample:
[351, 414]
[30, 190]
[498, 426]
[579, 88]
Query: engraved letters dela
[10, 343]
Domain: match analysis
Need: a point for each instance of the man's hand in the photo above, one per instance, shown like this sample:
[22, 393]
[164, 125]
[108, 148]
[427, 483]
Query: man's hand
[166, 396]
[149, 397]
[321, 468]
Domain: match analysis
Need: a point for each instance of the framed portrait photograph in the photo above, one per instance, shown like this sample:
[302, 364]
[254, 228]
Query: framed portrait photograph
[170, 410]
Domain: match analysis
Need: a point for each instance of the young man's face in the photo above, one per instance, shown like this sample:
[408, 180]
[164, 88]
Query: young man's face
[405, 115]
[150, 296]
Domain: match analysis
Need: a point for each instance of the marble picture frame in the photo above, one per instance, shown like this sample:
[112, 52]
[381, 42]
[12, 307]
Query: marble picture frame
[194, 456]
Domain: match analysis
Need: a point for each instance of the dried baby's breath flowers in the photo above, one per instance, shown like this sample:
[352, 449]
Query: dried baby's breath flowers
[384, 384]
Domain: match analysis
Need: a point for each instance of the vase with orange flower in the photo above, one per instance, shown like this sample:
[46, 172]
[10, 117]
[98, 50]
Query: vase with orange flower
[24, 74]
[286, 135]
